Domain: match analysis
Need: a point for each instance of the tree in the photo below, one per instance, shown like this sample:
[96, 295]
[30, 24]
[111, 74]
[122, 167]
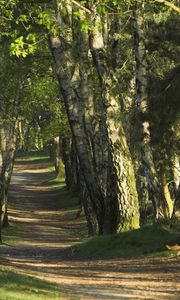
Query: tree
[103, 154]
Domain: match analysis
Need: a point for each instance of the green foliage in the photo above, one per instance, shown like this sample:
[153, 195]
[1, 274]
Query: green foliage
[42, 106]
[45, 18]
[17, 48]
[23, 32]
[86, 25]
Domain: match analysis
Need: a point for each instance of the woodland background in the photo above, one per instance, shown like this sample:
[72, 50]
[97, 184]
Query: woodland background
[97, 85]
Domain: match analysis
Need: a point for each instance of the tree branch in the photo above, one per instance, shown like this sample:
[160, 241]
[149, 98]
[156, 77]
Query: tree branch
[81, 6]
[169, 4]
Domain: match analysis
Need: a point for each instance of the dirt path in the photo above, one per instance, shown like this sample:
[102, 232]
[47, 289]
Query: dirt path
[48, 228]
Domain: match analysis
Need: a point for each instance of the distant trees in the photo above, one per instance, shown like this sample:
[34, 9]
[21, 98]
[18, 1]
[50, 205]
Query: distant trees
[112, 60]
[8, 130]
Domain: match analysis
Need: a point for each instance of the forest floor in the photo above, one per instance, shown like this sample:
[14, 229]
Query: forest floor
[47, 225]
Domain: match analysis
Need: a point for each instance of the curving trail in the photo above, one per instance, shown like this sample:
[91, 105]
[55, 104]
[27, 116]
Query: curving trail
[48, 228]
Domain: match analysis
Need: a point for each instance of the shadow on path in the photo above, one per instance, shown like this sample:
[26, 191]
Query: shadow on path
[47, 228]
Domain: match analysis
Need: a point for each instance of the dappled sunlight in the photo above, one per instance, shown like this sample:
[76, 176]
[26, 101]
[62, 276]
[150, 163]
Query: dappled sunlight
[36, 208]
[49, 228]
[102, 279]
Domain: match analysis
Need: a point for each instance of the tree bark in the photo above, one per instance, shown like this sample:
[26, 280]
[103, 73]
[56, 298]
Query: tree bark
[69, 157]
[168, 202]
[7, 169]
[86, 202]
[59, 166]
[66, 154]
[8, 147]
[176, 175]
[122, 210]
[150, 172]
[176, 171]
[176, 210]
[69, 75]
[1, 186]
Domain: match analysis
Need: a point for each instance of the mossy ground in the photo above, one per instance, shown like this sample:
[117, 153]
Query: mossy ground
[148, 240]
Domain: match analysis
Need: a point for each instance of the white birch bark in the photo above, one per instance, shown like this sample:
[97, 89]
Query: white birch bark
[154, 185]
[122, 212]
[70, 79]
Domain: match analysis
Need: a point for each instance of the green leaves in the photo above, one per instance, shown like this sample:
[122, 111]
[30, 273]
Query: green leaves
[21, 48]
[22, 18]
[86, 25]
[45, 18]
[17, 47]
[31, 37]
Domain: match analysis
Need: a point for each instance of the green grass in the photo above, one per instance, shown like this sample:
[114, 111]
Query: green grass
[11, 234]
[55, 183]
[65, 198]
[149, 240]
[16, 286]
[36, 156]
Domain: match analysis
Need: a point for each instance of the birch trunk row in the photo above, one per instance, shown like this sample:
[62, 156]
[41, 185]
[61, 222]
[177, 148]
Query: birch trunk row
[108, 174]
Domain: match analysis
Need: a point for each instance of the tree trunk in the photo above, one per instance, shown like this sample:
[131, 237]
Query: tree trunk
[21, 142]
[66, 154]
[1, 186]
[7, 170]
[176, 171]
[122, 211]
[5, 220]
[176, 210]
[176, 177]
[150, 172]
[90, 215]
[3, 176]
[8, 146]
[59, 166]
[68, 72]
[168, 203]
[142, 188]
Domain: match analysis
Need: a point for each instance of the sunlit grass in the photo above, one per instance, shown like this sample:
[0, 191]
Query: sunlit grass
[55, 183]
[149, 240]
[36, 156]
[16, 286]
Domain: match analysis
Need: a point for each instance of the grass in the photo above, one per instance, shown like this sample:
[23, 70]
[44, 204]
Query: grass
[11, 234]
[36, 156]
[149, 240]
[16, 286]
[66, 199]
